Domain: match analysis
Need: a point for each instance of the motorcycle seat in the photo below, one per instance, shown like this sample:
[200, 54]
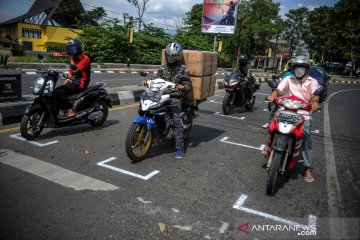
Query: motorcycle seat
[83, 93]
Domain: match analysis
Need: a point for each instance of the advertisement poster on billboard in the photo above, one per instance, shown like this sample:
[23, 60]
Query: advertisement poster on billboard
[219, 16]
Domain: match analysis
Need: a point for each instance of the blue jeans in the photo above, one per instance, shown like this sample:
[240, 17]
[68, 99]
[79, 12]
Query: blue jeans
[306, 146]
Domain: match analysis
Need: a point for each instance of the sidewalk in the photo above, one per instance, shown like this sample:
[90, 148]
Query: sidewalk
[12, 112]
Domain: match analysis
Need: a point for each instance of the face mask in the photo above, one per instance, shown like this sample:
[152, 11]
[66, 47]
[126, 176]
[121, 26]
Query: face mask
[299, 72]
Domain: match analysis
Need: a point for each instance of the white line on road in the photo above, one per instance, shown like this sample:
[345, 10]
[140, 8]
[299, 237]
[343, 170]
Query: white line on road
[110, 71]
[213, 101]
[337, 231]
[223, 227]
[17, 136]
[225, 140]
[265, 110]
[264, 94]
[97, 71]
[219, 96]
[54, 173]
[122, 72]
[219, 114]
[32, 73]
[315, 131]
[239, 205]
[143, 201]
[147, 177]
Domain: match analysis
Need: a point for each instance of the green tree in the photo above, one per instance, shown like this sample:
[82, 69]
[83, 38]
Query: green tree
[296, 24]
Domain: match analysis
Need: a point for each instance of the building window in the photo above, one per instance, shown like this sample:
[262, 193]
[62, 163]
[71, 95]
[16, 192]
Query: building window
[31, 33]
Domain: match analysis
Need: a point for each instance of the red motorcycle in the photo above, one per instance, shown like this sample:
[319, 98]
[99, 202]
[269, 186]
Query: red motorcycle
[286, 134]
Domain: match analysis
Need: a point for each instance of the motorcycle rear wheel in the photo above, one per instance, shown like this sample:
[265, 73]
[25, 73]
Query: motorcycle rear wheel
[274, 171]
[103, 107]
[136, 146]
[227, 106]
[30, 126]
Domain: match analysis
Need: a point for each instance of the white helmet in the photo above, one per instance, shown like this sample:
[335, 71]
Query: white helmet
[300, 66]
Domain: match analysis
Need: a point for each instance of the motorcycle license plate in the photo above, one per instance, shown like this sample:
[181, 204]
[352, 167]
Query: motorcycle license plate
[289, 117]
[150, 96]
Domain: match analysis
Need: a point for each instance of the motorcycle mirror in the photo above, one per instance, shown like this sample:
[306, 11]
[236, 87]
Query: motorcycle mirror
[320, 91]
[143, 74]
[272, 84]
[40, 56]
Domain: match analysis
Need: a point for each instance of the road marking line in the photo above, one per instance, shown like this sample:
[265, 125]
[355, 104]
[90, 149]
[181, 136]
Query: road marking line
[143, 201]
[240, 202]
[225, 140]
[219, 96]
[121, 72]
[110, 71]
[337, 230]
[213, 101]
[54, 173]
[133, 72]
[97, 71]
[315, 131]
[185, 228]
[32, 73]
[17, 136]
[219, 114]
[147, 177]
[264, 94]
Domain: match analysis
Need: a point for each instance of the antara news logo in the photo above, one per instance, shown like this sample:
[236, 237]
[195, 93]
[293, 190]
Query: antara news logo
[302, 230]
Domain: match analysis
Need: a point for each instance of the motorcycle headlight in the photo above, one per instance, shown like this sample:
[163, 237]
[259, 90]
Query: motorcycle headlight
[38, 85]
[233, 83]
[292, 104]
[49, 88]
[155, 87]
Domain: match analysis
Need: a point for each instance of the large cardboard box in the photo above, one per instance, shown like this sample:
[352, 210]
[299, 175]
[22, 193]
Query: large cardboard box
[200, 88]
[199, 63]
[212, 85]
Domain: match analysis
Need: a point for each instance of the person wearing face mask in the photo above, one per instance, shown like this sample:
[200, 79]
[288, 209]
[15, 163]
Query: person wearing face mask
[303, 86]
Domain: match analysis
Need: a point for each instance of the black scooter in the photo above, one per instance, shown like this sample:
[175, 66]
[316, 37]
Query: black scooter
[91, 106]
[239, 92]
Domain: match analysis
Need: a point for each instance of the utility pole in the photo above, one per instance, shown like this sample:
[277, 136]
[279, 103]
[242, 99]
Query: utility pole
[130, 36]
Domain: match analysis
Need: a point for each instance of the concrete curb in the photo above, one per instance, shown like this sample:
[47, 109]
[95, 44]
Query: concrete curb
[12, 112]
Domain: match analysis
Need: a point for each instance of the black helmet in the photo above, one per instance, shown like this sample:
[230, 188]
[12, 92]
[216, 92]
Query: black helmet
[243, 59]
[74, 47]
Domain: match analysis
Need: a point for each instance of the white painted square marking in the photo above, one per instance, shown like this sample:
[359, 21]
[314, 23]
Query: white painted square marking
[225, 140]
[239, 205]
[18, 137]
[147, 177]
[219, 114]
[213, 101]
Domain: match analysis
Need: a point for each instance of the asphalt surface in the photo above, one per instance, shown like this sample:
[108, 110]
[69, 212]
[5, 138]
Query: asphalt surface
[191, 198]
[111, 79]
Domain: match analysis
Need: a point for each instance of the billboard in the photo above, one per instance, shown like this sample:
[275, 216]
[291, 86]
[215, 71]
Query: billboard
[219, 16]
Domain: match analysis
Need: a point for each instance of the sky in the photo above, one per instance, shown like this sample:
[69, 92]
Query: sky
[166, 14]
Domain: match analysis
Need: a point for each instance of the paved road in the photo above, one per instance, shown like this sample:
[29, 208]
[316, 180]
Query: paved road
[59, 191]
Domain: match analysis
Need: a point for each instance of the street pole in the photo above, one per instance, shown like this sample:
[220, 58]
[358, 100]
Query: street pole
[130, 35]
[215, 43]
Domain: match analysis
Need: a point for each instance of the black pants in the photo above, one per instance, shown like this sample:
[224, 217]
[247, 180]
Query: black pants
[175, 107]
[62, 93]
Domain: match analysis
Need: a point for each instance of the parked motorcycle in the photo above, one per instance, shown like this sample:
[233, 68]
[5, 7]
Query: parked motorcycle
[286, 134]
[239, 92]
[155, 124]
[91, 105]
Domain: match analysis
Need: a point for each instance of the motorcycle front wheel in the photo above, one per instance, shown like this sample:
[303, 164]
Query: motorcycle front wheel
[251, 102]
[227, 105]
[138, 142]
[32, 125]
[274, 171]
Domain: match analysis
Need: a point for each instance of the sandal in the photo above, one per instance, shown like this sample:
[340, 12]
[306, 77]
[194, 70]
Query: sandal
[266, 152]
[309, 179]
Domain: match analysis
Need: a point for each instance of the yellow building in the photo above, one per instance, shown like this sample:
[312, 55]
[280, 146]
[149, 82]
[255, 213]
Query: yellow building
[47, 23]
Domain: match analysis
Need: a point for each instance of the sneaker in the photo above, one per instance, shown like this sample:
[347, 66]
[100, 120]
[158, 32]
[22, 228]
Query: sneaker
[266, 125]
[179, 154]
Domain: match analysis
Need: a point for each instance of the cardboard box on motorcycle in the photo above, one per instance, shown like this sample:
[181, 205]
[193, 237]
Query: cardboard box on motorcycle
[202, 66]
